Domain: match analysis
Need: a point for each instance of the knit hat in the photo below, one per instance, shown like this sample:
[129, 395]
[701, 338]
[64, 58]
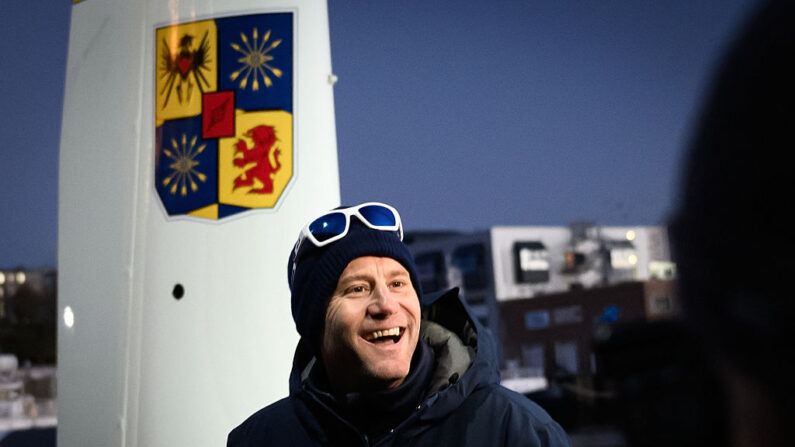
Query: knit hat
[319, 268]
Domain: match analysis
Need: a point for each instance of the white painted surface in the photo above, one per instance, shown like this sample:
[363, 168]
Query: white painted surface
[138, 367]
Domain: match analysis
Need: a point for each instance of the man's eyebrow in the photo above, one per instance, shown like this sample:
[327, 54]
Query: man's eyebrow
[397, 272]
[354, 277]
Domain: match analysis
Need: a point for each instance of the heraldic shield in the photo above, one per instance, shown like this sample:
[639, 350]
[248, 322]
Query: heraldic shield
[224, 114]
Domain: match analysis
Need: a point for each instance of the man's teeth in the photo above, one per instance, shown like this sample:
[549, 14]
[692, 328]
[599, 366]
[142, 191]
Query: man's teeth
[395, 331]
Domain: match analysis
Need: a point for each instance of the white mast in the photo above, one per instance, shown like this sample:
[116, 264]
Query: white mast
[171, 254]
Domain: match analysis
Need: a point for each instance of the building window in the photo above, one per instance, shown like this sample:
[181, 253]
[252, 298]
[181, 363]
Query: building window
[533, 356]
[660, 305]
[566, 357]
[623, 256]
[470, 260]
[531, 262]
[573, 262]
[431, 271]
[610, 314]
[567, 315]
[538, 319]
[662, 269]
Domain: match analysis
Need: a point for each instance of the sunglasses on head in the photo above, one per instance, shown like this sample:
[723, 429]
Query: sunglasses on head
[334, 225]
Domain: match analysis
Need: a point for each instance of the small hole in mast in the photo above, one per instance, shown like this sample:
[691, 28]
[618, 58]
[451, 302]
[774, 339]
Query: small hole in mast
[178, 291]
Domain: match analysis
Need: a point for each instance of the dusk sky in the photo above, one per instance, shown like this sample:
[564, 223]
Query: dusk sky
[462, 114]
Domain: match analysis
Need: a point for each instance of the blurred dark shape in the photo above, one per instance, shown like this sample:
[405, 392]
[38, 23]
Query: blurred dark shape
[28, 326]
[562, 404]
[732, 234]
[664, 393]
[35, 437]
[722, 374]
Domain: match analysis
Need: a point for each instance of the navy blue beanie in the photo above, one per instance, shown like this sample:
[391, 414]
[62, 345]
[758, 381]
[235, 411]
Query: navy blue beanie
[319, 269]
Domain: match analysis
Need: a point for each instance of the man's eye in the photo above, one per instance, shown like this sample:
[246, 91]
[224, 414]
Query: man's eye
[398, 283]
[357, 289]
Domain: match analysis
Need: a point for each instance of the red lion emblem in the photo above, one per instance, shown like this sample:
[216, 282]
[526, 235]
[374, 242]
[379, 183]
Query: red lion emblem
[264, 138]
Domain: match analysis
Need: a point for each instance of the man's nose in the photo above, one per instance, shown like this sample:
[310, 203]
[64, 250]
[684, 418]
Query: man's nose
[384, 302]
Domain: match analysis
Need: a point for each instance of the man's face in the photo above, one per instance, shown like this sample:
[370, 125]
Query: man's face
[372, 326]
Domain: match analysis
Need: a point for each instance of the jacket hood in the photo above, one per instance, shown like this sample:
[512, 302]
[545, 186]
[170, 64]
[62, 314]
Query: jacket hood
[465, 351]
[450, 328]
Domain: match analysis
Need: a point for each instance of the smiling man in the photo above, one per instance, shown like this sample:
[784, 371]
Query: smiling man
[372, 326]
[379, 365]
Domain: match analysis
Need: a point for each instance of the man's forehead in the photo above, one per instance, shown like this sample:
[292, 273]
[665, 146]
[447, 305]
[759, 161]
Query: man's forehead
[372, 265]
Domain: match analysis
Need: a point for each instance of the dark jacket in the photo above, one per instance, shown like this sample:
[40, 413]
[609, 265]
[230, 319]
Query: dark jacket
[466, 406]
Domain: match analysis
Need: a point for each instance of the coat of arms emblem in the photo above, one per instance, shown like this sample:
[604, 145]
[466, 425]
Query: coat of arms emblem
[224, 114]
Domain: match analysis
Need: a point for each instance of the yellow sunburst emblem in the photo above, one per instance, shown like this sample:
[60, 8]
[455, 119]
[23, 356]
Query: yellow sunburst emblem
[255, 60]
[183, 168]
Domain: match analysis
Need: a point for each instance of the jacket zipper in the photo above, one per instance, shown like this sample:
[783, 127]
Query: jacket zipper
[363, 437]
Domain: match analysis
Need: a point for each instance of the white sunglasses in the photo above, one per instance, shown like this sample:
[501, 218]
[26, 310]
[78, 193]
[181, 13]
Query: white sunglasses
[334, 225]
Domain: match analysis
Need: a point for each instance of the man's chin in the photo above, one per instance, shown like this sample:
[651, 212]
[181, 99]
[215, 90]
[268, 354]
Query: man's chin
[387, 376]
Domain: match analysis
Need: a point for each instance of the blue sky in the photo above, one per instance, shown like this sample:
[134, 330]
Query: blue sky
[462, 114]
